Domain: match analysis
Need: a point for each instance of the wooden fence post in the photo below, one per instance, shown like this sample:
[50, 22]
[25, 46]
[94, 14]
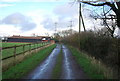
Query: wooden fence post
[23, 48]
[29, 47]
[14, 50]
[14, 62]
[37, 45]
[45, 43]
[42, 44]
[34, 45]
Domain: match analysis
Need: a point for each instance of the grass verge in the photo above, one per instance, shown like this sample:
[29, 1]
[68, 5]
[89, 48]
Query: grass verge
[58, 67]
[21, 69]
[92, 70]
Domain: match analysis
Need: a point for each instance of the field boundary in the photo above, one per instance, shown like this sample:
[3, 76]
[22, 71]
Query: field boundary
[23, 46]
[7, 62]
[21, 70]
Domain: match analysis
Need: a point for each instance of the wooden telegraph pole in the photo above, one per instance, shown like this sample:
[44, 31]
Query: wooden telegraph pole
[71, 24]
[56, 27]
[79, 23]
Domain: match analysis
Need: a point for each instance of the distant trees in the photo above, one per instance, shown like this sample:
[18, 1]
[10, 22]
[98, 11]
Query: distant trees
[62, 34]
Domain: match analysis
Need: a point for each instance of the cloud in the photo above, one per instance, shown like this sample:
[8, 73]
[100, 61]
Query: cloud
[39, 30]
[0, 21]
[10, 0]
[48, 23]
[41, 21]
[6, 5]
[66, 10]
[19, 24]
[28, 26]
[37, 16]
[19, 20]
[66, 13]
[14, 19]
[33, 0]
[7, 30]
[63, 15]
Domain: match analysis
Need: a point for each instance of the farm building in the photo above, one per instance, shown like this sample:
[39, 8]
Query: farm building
[28, 38]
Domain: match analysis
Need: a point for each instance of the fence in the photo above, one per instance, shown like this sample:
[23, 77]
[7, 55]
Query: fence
[15, 54]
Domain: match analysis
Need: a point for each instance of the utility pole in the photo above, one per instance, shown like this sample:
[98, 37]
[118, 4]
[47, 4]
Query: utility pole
[82, 21]
[56, 27]
[71, 24]
[79, 23]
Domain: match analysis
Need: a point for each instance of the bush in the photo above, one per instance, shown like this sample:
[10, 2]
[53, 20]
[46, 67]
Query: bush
[102, 47]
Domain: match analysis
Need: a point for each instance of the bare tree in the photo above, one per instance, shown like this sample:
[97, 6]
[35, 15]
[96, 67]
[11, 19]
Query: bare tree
[115, 6]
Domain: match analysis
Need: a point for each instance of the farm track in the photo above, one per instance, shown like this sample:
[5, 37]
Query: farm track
[70, 69]
[44, 70]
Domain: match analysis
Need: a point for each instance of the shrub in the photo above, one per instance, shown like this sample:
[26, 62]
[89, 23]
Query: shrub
[101, 47]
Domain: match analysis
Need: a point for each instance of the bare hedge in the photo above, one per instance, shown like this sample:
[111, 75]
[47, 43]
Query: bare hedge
[102, 47]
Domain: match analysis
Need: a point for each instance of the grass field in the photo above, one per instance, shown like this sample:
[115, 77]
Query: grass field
[5, 44]
[10, 52]
[21, 69]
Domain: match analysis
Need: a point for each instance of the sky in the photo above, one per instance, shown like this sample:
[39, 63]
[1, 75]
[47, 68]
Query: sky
[28, 17]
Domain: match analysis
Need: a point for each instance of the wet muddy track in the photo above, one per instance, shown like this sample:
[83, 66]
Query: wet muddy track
[44, 70]
[70, 69]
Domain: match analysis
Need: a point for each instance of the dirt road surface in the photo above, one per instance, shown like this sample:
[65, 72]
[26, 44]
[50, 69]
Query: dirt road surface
[70, 68]
[44, 70]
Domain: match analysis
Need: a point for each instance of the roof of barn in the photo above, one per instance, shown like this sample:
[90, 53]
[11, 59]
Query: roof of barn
[27, 37]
